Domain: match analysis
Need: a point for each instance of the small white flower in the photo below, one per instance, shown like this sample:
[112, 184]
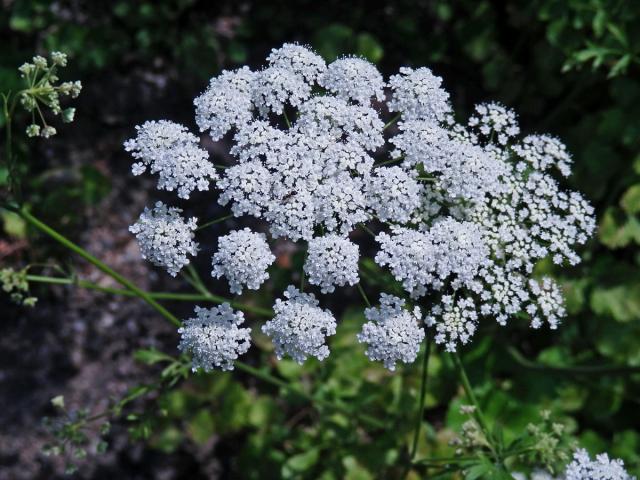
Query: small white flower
[226, 103]
[392, 333]
[455, 321]
[493, 119]
[602, 468]
[393, 195]
[213, 338]
[354, 79]
[299, 327]
[275, 87]
[165, 238]
[418, 95]
[299, 59]
[243, 257]
[168, 149]
[332, 260]
[543, 152]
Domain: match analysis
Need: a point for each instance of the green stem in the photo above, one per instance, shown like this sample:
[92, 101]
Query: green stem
[392, 121]
[423, 394]
[479, 416]
[213, 222]
[11, 168]
[364, 295]
[420, 412]
[387, 162]
[372, 421]
[266, 377]
[180, 297]
[368, 230]
[573, 370]
[44, 228]
[286, 119]
[195, 281]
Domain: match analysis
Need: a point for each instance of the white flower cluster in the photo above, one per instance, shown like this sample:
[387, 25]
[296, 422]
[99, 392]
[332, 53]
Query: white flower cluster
[165, 238]
[602, 468]
[489, 212]
[543, 152]
[392, 333]
[471, 207]
[226, 103]
[299, 327]
[393, 194]
[354, 79]
[418, 95]
[494, 119]
[170, 150]
[332, 260]
[450, 253]
[213, 338]
[243, 257]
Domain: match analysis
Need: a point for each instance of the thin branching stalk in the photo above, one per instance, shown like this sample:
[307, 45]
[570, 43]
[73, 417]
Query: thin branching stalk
[478, 414]
[213, 222]
[363, 294]
[171, 296]
[135, 291]
[44, 228]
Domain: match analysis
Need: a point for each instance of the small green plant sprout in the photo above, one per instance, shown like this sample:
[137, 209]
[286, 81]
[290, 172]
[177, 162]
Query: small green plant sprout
[15, 283]
[71, 434]
[43, 92]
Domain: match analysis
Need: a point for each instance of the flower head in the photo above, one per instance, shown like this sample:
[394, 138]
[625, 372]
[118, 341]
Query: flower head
[602, 468]
[299, 327]
[354, 79]
[332, 260]
[243, 257]
[170, 150]
[213, 338]
[165, 238]
[392, 333]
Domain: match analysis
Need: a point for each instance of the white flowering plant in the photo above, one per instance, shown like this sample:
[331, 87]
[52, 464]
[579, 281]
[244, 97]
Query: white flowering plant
[365, 176]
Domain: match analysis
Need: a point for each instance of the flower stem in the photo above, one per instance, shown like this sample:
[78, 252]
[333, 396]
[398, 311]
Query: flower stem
[364, 295]
[571, 370]
[479, 416]
[392, 121]
[213, 222]
[372, 421]
[180, 297]
[44, 228]
[387, 162]
[423, 394]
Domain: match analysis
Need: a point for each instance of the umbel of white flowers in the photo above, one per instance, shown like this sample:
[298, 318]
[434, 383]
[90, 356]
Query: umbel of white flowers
[583, 468]
[463, 211]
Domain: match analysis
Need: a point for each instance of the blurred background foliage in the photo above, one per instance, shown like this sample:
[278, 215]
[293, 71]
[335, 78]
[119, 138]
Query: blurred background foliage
[568, 67]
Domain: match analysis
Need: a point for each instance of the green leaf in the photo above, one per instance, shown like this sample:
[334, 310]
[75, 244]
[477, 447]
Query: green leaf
[202, 426]
[630, 201]
[616, 231]
[369, 47]
[300, 463]
[355, 471]
[621, 302]
[618, 33]
[13, 224]
[621, 65]
[151, 356]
